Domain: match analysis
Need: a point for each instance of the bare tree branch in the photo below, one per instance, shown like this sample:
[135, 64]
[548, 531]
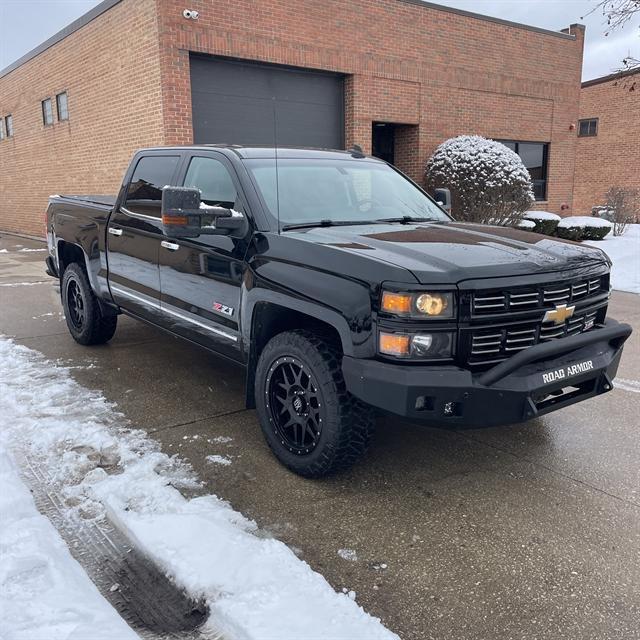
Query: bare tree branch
[617, 12]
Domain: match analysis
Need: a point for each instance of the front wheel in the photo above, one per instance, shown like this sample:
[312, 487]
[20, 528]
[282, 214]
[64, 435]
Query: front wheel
[312, 424]
[85, 320]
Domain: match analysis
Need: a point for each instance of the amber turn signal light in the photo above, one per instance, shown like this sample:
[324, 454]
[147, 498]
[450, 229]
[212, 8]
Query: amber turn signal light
[179, 220]
[394, 344]
[396, 302]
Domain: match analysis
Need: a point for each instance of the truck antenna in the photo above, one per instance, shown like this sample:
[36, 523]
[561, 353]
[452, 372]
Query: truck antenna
[275, 146]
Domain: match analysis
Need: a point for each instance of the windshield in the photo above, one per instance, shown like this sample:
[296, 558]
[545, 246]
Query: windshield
[333, 190]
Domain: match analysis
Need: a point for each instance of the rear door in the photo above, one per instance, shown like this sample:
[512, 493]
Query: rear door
[134, 235]
[200, 278]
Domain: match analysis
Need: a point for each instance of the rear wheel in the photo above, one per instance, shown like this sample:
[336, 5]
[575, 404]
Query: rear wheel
[85, 320]
[313, 425]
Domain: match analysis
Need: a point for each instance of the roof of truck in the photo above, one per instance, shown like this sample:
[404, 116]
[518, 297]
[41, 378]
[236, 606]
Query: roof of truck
[262, 152]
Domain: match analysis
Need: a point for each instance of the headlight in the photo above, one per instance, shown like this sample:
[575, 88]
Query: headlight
[419, 346]
[420, 304]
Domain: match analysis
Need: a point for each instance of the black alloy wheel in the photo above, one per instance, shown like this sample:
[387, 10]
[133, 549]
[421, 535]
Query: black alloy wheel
[294, 405]
[313, 425]
[87, 321]
[76, 305]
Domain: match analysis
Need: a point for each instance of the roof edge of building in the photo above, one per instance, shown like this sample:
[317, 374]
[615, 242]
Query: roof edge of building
[608, 78]
[105, 5]
[84, 19]
[481, 16]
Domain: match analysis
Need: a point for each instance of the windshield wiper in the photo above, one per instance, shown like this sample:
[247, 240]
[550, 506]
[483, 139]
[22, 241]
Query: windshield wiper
[326, 223]
[408, 219]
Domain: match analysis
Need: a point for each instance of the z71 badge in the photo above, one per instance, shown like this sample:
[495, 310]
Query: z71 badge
[567, 372]
[222, 308]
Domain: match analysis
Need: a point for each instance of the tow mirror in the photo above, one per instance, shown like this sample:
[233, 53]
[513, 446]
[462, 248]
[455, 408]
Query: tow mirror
[443, 197]
[180, 210]
[184, 215]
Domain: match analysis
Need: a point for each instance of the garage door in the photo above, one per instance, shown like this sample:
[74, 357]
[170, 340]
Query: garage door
[243, 103]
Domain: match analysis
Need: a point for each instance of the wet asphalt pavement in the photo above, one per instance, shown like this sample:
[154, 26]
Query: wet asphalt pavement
[521, 532]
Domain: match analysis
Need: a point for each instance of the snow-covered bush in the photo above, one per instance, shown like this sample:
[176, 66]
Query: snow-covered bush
[488, 182]
[527, 225]
[583, 228]
[545, 222]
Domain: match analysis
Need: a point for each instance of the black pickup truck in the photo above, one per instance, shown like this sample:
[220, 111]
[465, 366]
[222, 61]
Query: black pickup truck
[342, 287]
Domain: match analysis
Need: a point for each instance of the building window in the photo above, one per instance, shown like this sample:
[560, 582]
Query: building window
[535, 157]
[47, 112]
[61, 103]
[8, 126]
[588, 127]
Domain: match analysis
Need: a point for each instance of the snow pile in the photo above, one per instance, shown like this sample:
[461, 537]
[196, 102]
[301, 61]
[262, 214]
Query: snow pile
[487, 179]
[45, 592]
[624, 252]
[255, 587]
[584, 222]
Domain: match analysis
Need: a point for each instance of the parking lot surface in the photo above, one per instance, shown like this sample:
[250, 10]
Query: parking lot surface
[528, 531]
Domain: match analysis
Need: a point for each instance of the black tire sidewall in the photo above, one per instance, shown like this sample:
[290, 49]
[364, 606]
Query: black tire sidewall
[292, 345]
[75, 273]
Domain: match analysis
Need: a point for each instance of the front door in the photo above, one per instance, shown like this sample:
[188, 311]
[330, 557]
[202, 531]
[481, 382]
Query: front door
[200, 278]
[383, 141]
[134, 235]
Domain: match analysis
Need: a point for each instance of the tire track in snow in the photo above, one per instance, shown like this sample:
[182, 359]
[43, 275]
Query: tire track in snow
[144, 597]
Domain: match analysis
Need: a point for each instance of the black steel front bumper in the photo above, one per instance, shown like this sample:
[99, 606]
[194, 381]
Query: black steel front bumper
[533, 382]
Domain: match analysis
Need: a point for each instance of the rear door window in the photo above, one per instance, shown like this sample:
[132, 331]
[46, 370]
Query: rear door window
[152, 173]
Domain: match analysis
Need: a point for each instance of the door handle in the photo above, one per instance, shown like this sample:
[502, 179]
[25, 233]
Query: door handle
[172, 246]
[115, 232]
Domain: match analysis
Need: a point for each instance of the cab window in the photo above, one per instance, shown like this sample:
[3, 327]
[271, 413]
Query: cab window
[144, 195]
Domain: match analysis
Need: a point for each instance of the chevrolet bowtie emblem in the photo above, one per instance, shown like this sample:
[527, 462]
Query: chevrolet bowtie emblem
[559, 314]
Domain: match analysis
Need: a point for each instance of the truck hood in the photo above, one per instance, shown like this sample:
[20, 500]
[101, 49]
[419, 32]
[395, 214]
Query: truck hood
[453, 252]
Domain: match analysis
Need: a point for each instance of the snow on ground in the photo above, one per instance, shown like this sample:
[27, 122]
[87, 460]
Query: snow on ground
[45, 593]
[348, 554]
[24, 284]
[216, 459]
[624, 252]
[256, 587]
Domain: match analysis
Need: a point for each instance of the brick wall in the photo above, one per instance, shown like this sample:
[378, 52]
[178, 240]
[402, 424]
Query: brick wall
[612, 157]
[447, 73]
[437, 73]
[110, 69]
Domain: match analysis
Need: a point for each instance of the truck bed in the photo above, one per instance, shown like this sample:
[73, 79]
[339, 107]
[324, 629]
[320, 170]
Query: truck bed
[104, 200]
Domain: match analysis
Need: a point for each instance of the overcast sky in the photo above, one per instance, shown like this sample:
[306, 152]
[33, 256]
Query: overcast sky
[24, 24]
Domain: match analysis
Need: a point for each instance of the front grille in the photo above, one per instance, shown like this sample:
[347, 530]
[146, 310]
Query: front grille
[493, 343]
[536, 297]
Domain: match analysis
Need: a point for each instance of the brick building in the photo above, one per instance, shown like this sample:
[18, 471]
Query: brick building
[395, 76]
[608, 152]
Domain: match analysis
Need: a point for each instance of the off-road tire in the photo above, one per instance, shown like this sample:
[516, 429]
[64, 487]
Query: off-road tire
[95, 328]
[347, 423]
